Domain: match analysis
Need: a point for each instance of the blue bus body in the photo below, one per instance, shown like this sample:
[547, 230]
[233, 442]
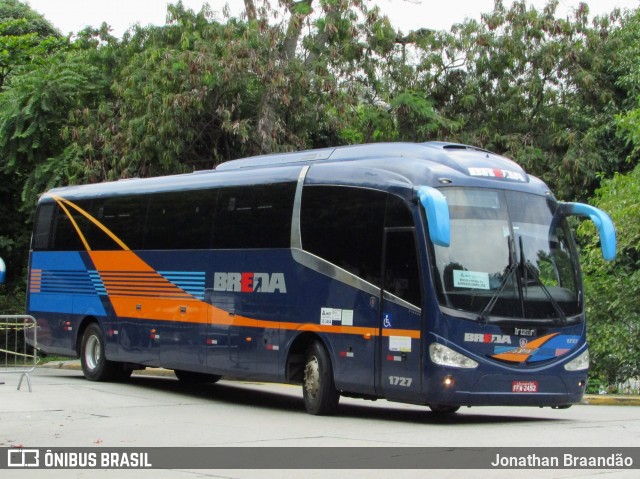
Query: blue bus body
[432, 273]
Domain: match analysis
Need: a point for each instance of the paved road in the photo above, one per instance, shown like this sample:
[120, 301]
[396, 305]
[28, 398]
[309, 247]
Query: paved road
[150, 411]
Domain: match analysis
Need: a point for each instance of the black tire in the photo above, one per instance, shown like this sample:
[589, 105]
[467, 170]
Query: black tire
[189, 377]
[318, 389]
[443, 410]
[94, 362]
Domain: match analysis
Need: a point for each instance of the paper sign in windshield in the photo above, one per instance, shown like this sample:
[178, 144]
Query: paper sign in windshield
[470, 279]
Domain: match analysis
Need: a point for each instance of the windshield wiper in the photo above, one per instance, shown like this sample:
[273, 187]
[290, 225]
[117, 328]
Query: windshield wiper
[525, 267]
[513, 266]
[528, 267]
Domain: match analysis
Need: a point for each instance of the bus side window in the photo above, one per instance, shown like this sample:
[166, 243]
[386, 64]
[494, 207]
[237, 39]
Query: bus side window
[254, 216]
[42, 229]
[64, 236]
[180, 220]
[124, 216]
[345, 226]
[402, 275]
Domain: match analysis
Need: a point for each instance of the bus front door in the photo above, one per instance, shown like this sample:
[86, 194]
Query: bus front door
[399, 349]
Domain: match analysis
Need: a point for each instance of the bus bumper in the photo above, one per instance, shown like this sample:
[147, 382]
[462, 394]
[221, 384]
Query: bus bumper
[455, 388]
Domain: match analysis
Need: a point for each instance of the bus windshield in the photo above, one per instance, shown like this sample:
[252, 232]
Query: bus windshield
[511, 256]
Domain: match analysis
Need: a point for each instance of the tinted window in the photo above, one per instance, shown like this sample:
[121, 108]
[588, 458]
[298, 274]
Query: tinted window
[42, 229]
[402, 274]
[180, 220]
[345, 226]
[124, 216]
[257, 216]
[64, 232]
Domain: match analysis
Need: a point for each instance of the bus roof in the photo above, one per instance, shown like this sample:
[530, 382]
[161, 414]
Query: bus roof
[369, 165]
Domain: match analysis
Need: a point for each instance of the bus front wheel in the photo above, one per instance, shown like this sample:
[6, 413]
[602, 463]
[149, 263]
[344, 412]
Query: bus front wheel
[95, 366]
[318, 389]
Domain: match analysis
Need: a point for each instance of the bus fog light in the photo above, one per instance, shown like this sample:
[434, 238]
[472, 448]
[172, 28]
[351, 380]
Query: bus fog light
[444, 356]
[448, 381]
[578, 364]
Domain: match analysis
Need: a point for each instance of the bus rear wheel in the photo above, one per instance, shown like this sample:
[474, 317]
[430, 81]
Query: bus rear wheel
[318, 389]
[95, 366]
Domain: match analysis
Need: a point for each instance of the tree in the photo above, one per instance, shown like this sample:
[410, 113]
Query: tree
[539, 89]
[627, 70]
[612, 289]
[24, 36]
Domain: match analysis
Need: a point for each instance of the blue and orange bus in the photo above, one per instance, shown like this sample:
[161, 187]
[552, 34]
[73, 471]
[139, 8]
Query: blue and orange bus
[435, 273]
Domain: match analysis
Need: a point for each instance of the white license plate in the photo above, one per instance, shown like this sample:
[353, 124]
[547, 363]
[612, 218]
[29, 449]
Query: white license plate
[524, 387]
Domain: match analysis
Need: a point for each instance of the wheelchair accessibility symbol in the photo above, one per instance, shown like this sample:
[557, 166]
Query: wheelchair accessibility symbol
[386, 322]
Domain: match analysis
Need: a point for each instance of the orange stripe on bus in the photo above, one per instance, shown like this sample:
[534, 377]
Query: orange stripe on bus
[196, 311]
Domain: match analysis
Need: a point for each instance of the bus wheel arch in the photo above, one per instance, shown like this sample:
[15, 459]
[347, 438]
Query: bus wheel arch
[294, 367]
[91, 349]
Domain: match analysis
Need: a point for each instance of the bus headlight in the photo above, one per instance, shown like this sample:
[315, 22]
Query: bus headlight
[578, 364]
[445, 356]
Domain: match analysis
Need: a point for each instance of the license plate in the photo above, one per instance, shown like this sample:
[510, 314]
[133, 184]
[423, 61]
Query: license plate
[524, 387]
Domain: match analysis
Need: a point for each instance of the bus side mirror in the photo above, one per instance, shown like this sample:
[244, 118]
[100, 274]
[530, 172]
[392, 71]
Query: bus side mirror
[435, 204]
[3, 271]
[603, 223]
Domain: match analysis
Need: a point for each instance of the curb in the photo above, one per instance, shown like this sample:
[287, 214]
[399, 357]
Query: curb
[610, 400]
[588, 399]
[74, 364]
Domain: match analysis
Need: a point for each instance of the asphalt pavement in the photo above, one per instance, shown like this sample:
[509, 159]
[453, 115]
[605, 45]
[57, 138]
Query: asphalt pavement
[592, 399]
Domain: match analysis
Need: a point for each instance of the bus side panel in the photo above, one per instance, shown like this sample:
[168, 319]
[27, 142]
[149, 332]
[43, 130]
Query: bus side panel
[232, 312]
[62, 291]
[343, 317]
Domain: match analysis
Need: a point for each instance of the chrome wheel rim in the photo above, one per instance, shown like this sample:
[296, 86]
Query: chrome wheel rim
[92, 352]
[312, 377]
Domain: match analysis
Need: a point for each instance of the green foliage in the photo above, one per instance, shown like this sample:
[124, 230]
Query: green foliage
[32, 114]
[25, 36]
[612, 289]
[26, 39]
[536, 88]
[628, 68]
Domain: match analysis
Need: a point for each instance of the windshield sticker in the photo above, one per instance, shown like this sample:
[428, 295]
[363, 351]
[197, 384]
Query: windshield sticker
[470, 279]
[400, 344]
[497, 173]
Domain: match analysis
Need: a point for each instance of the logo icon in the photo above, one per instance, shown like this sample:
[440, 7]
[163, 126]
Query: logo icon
[23, 458]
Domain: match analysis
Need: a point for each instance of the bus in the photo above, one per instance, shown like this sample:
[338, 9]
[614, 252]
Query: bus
[436, 274]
